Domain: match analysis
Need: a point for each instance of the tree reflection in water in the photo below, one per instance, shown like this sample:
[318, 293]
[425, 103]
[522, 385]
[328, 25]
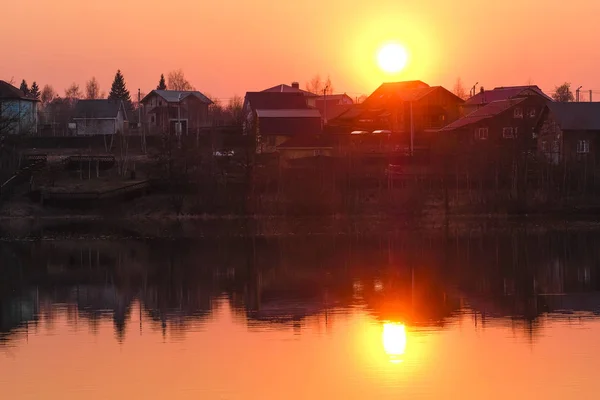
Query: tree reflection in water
[424, 279]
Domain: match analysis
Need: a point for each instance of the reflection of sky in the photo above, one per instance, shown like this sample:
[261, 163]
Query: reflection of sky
[344, 354]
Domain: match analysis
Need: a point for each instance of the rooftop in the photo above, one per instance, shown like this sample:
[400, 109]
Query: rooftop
[576, 116]
[504, 93]
[488, 111]
[175, 96]
[8, 91]
[101, 108]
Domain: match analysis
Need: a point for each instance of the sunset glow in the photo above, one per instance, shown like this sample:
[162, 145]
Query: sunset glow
[392, 58]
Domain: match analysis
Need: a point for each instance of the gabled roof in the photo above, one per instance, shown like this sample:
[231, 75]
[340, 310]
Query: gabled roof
[402, 91]
[333, 97]
[283, 88]
[319, 141]
[289, 113]
[101, 108]
[488, 111]
[333, 110]
[8, 91]
[576, 116]
[275, 100]
[504, 93]
[175, 96]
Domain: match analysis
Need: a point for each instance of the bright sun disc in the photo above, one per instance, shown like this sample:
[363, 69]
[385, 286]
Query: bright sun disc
[392, 58]
[394, 339]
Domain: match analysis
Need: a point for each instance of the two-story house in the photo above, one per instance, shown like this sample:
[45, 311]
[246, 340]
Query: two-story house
[274, 117]
[508, 125]
[18, 113]
[412, 111]
[175, 111]
[570, 132]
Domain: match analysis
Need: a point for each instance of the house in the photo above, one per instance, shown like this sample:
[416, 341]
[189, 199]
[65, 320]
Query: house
[333, 105]
[412, 111]
[274, 117]
[175, 111]
[18, 113]
[570, 132]
[485, 97]
[99, 117]
[294, 88]
[306, 146]
[509, 124]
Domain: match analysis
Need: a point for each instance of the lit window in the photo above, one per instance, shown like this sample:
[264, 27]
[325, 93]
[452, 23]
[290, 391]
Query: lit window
[482, 133]
[532, 113]
[583, 146]
[518, 112]
[508, 133]
[544, 146]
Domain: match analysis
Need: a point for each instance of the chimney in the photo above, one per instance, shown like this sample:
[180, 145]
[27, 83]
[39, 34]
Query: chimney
[295, 85]
[482, 91]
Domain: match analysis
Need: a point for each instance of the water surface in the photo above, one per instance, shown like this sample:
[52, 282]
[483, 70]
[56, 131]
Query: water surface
[495, 314]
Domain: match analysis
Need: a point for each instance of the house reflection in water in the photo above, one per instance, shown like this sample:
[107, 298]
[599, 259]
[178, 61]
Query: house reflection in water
[422, 280]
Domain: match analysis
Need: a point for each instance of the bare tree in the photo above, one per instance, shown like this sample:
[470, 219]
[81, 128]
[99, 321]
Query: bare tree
[316, 85]
[361, 98]
[72, 92]
[48, 94]
[234, 110]
[459, 89]
[176, 81]
[92, 89]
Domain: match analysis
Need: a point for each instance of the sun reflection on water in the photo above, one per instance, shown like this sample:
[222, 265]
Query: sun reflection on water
[394, 340]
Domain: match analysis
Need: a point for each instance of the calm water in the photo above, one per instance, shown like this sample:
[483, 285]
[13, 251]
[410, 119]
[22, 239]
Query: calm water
[494, 314]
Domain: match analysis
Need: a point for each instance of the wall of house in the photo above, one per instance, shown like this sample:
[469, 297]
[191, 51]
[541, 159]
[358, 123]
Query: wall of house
[286, 155]
[269, 143]
[24, 111]
[549, 141]
[96, 126]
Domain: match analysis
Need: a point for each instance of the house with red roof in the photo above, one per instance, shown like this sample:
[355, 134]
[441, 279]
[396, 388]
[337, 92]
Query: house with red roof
[412, 111]
[274, 117]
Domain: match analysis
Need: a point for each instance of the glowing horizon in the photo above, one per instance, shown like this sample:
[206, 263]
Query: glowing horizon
[232, 46]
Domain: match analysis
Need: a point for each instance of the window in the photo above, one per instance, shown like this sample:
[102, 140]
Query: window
[544, 146]
[481, 133]
[532, 112]
[583, 146]
[508, 133]
[518, 113]
[318, 152]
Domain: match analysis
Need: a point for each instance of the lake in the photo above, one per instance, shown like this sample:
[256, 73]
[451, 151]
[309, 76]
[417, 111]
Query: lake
[477, 312]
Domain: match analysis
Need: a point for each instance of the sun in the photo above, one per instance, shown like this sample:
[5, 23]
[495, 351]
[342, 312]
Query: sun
[392, 58]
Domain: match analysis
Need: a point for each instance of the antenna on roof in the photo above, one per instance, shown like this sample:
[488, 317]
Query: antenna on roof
[474, 89]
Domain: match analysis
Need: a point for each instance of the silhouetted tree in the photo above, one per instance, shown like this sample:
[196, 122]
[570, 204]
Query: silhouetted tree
[72, 93]
[563, 93]
[177, 81]
[234, 110]
[459, 90]
[118, 91]
[24, 88]
[47, 95]
[316, 85]
[35, 91]
[162, 85]
[92, 89]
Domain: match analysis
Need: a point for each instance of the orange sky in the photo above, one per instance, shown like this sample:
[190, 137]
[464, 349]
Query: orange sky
[229, 47]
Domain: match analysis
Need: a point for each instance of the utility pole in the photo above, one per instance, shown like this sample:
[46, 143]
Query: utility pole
[590, 95]
[325, 104]
[577, 93]
[412, 130]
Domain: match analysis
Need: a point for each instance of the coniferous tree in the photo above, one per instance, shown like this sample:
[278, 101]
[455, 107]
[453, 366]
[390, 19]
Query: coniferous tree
[162, 85]
[34, 92]
[24, 88]
[118, 91]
